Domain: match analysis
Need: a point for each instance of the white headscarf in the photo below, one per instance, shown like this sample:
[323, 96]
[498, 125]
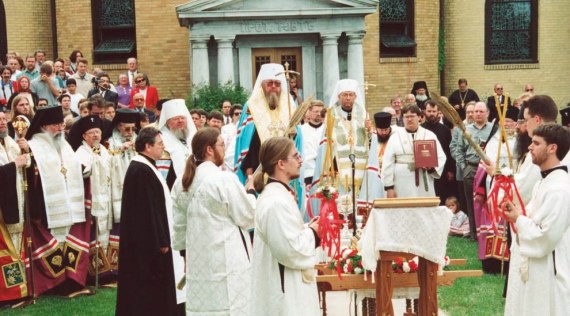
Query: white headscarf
[349, 85]
[176, 107]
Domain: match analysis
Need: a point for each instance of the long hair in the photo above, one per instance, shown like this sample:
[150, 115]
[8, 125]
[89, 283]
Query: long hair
[273, 150]
[15, 102]
[204, 137]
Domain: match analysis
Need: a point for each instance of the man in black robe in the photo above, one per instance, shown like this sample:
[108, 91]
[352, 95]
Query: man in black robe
[446, 185]
[146, 280]
[460, 97]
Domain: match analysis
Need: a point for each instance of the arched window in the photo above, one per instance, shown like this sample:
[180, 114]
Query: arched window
[114, 30]
[511, 31]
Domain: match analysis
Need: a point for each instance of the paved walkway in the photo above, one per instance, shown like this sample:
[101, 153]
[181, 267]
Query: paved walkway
[340, 303]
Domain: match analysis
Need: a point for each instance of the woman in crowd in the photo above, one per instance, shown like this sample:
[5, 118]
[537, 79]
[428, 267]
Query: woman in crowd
[149, 92]
[24, 89]
[124, 91]
[76, 54]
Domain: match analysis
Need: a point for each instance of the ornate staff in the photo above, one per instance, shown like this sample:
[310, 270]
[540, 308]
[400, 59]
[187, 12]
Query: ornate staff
[20, 124]
[287, 72]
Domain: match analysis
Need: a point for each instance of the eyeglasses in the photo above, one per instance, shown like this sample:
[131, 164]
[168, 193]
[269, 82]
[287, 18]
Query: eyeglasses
[498, 88]
[129, 128]
[141, 99]
[296, 156]
[140, 80]
[529, 90]
[275, 83]
[237, 113]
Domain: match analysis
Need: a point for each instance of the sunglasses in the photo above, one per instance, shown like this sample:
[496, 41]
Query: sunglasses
[139, 99]
[237, 113]
[141, 80]
[529, 90]
[498, 88]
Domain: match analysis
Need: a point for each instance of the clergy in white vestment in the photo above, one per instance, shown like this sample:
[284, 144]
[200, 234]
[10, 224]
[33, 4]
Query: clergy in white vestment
[284, 252]
[96, 163]
[11, 215]
[121, 144]
[229, 133]
[212, 213]
[177, 130]
[401, 177]
[543, 235]
[312, 134]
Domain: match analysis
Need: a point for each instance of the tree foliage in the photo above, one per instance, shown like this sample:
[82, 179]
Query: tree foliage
[210, 97]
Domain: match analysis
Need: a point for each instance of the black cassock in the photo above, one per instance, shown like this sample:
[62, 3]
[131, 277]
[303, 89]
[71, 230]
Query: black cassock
[9, 194]
[146, 276]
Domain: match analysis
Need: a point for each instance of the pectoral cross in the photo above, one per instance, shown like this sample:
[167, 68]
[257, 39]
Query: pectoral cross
[63, 171]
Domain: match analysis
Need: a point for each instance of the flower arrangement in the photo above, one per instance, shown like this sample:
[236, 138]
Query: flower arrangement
[326, 192]
[347, 261]
[401, 265]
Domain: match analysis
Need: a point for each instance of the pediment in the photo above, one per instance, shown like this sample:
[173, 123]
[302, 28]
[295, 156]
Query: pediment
[204, 10]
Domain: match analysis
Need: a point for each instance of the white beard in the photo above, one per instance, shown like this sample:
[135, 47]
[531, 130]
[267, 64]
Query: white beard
[181, 133]
[421, 98]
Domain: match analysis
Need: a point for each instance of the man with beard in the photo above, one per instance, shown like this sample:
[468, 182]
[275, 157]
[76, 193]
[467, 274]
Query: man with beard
[96, 162]
[349, 136]
[177, 131]
[373, 188]
[444, 186]
[266, 114]
[146, 282]
[312, 135]
[461, 97]
[212, 213]
[60, 232]
[11, 218]
[398, 169]
[121, 148]
[421, 93]
[543, 234]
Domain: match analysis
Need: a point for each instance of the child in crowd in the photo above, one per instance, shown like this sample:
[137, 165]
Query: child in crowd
[459, 221]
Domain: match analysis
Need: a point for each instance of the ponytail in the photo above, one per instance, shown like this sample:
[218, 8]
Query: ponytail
[189, 173]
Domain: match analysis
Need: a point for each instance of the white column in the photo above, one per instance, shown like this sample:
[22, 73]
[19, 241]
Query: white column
[225, 60]
[245, 66]
[200, 67]
[355, 57]
[330, 65]
[309, 72]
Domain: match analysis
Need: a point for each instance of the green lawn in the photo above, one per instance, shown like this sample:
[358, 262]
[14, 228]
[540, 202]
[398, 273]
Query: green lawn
[467, 296]
[470, 296]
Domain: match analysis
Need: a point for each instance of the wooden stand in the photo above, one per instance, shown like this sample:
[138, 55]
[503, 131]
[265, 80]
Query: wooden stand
[427, 279]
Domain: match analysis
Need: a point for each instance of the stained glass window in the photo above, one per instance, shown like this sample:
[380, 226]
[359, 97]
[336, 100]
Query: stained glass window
[114, 30]
[511, 35]
[397, 28]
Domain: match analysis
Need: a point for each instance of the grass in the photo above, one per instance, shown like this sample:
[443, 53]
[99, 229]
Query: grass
[467, 296]
[470, 296]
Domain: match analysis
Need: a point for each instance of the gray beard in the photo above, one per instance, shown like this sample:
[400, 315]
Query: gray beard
[181, 133]
[3, 134]
[421, 98]
[57, 141]
[272, 100]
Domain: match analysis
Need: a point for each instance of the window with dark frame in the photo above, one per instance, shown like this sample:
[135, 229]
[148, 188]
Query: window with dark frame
[511, 31]
[397, 34]
[114, 31]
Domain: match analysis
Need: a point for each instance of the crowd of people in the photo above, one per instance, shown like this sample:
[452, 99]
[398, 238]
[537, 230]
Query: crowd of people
[213, 212]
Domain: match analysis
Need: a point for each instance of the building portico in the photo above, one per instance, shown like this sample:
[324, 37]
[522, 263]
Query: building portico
[322, 40]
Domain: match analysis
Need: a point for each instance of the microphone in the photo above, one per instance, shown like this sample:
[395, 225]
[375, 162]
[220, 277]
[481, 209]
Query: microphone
[351, 157]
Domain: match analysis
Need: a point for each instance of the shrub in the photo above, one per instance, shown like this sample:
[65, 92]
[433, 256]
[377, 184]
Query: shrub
[210, 97]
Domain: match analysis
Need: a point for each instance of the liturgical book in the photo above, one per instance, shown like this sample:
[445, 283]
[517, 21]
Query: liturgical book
[425, 153]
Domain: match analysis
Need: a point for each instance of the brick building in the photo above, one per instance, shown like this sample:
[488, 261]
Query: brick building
[399, 46]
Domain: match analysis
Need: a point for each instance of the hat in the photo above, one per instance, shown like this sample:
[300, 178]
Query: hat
[565, 116]
[382, 119]
[419, 85]
[125, 116]
[172, 108]
[80, 127]
[345, 85]
[45, 116]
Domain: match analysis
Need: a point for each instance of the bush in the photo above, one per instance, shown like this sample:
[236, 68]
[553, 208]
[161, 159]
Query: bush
[210, 97]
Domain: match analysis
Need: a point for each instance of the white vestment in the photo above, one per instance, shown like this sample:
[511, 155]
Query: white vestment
[178, 151]
[544, 247]
[211, 221]
[398, 156]
[120, 161]
[99, 167]
[282, 238]
[229, 133]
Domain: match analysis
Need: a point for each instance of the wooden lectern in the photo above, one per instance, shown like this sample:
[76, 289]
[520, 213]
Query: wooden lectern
[407, 228]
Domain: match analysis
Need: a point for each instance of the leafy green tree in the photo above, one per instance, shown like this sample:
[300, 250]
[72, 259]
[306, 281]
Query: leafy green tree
[210, 97]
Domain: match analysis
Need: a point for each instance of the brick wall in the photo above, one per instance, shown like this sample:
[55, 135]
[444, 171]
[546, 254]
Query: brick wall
[465, 52]
[396, 75]
[28, 26]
